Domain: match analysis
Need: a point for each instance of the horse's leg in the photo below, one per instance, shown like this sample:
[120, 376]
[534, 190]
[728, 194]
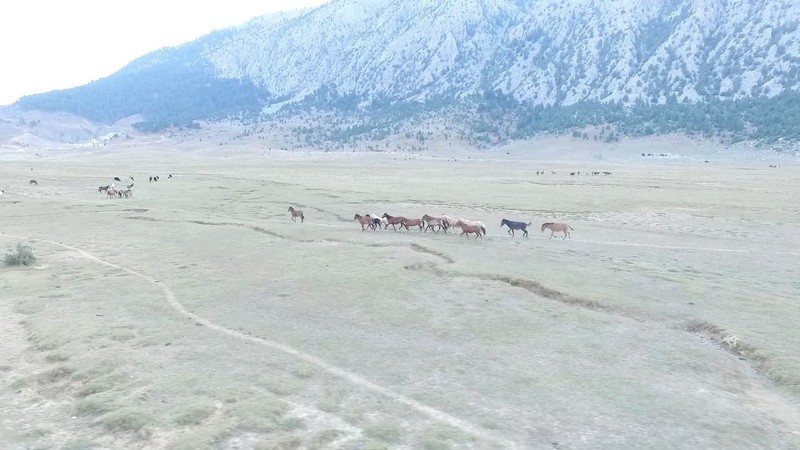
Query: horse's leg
[525, 232]
[552, 233]
[302, 218]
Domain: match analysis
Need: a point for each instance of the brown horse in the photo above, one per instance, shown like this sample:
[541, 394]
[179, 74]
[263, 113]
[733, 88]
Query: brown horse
[468, 229]
[412, 223]
[365, 221]
[557, 227]
[296, 213]
[393, 221]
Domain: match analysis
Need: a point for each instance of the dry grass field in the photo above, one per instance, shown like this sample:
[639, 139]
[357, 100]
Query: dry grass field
[197, 315]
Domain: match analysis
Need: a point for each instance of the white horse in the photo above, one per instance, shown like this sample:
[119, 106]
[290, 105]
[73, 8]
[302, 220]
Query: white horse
[384, 220]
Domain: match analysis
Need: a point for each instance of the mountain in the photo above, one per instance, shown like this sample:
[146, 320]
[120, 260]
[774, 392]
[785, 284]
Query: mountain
[710, 66]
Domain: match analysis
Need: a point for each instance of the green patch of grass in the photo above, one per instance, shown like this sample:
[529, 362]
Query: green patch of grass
[203, 438]
[37, 433]
[281, 386]
[279, 441]
[122, 337]
[19, 383]
[322, 439]
[385, 432]
[54, 375]
[291, 423]
[332, 401]
[56, 357]
[303, 373]
[79, 444]
[95, 405]
[93, 387]
[125, 419]
[437, 437]
[260, 413]
[195, 414]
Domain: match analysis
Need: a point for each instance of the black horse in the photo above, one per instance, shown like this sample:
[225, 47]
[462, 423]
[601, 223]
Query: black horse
[515, 226]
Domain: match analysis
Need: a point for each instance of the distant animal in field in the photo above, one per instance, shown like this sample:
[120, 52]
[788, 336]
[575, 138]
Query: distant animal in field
[296, 213]
[169, 177]
[117, 179]
[412, 223]
[151, 180]
[378, 221]
[431, 222]
[34, 182]
[127, 193]
[393, 221]
[111, 193]
[476, 223]
[130, 186]
[466, 229]
[131, 178]
[2, 193]
[515, 226]
[103, 188]
[365, 221]
[557, 228]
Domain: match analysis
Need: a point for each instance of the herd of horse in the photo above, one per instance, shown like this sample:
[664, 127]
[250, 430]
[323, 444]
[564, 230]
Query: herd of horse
[441, 223]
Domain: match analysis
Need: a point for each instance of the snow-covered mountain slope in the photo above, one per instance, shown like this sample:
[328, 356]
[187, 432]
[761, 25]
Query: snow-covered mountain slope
[550, 53]
[546, 52]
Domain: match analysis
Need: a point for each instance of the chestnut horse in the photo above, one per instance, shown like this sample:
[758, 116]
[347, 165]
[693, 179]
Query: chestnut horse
[557, 227]
[412, 223]
[468, 229]
[393, 221]
[365, 221]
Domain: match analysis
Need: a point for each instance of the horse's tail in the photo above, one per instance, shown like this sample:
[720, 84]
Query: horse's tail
[483, 229]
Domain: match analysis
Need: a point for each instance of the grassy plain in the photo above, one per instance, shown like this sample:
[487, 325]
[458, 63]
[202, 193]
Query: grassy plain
[197, 315]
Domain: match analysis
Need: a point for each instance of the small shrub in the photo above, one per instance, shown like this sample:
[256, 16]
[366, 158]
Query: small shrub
[22, 257]
[125, 419]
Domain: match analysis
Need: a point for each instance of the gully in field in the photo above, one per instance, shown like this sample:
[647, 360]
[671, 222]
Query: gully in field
[515, 226]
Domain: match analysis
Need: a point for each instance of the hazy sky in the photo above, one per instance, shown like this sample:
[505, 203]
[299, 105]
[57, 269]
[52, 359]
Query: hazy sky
[56, 44]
